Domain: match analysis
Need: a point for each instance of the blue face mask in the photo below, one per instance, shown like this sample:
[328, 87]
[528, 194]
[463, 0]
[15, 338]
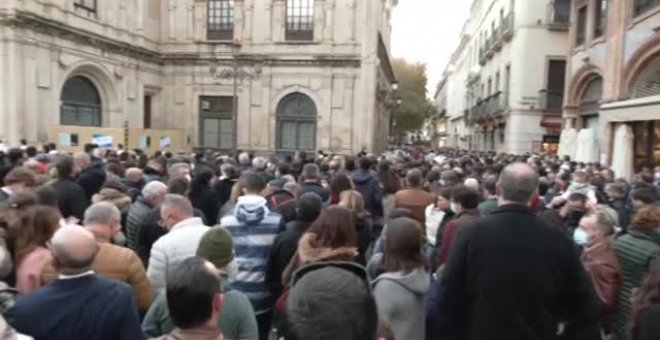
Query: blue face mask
[581, 238]
[454, 207]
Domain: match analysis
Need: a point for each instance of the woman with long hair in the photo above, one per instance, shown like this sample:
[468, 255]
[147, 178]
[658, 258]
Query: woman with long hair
[331, 237]
[645, 315]
[353, 201]
[400, 291]
[31, 251]
[339, 183]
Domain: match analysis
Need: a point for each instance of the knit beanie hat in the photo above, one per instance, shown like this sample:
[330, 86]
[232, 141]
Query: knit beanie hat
[217, 246]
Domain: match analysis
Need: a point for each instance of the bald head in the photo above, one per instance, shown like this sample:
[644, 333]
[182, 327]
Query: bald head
[518, 183]
[74, 249]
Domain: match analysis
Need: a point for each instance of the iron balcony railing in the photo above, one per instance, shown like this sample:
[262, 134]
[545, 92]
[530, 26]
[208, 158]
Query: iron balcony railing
[494, 42]
[507, 26]
[490, 106]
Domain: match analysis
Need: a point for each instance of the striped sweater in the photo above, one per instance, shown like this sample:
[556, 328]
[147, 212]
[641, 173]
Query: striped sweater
[253, 228]
[634, 252]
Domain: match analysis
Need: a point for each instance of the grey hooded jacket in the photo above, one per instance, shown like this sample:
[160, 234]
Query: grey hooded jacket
[400, 300]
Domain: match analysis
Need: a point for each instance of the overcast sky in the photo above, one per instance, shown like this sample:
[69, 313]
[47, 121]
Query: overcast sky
[427, 31]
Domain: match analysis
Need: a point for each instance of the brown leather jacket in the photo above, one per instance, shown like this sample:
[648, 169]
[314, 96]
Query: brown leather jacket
[117, 263]
[603, 268]
[415, 200]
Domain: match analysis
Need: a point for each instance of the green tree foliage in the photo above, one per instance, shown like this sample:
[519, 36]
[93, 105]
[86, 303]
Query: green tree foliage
[414, 108]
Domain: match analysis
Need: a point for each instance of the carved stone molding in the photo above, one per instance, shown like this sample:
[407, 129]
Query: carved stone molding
[31, 21]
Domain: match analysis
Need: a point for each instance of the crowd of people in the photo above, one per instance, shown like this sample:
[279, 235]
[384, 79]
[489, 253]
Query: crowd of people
[411, 244]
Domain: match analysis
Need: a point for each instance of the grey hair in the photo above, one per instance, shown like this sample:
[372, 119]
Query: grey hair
[259, 163]
[133, 172]
[244, 158]
[291, 187]
[288, 179]
[176, 166]
[178, 203]
[228, 170]
[81, 156]
[607, 220]
[310, 171]
[616, 190]
[102, 213]
[519, 183]
[153, 189]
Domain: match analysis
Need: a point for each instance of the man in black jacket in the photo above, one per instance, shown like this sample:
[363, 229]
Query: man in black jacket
[511, 276]
[308, 208]
[311, 178]
[71, 197]
[91, 174]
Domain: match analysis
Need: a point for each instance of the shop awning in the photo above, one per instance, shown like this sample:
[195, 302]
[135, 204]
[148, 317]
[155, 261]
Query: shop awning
[647, 108]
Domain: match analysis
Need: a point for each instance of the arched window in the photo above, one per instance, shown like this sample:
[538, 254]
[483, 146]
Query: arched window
[296, 123]
[81, 103]
[590, 105]
[648, 81]
[593, 92]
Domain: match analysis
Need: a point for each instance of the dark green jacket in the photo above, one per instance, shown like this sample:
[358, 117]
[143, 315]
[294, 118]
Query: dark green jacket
[488, 206]
[634, 251]
[237, 321]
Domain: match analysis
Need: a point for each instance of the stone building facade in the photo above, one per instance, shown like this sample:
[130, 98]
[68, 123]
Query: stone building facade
[505, 80]
[613, 80]
[259, 75]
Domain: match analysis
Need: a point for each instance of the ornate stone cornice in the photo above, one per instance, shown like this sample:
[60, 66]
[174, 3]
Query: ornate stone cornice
[34, 22]
[31, 21]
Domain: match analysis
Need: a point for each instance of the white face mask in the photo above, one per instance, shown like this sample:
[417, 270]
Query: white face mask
[581, 238]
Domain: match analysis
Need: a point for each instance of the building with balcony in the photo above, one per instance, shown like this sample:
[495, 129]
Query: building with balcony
[259, 75]
[510, 66]
[439, 121]
[613, 79]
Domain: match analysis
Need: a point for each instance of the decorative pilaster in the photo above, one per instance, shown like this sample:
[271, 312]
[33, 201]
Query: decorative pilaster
[200, 22]
[268, 21]
[328, 30]
[278, 28]
[171, 15]
[319, 20]
[248, 20]
[352, 9]
[239, 20]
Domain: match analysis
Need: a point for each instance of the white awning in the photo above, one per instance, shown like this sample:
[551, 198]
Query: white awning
[647, 108]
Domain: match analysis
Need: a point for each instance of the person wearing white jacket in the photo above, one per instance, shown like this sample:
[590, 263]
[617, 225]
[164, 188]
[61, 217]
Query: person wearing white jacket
[181, 241]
